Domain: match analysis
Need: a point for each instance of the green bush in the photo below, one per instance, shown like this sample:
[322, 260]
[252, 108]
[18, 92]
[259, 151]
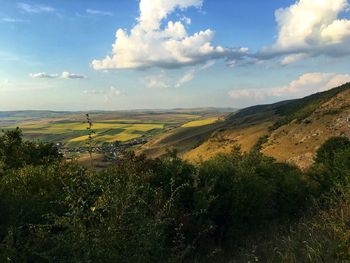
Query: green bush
[16, 153]
[247, 191]
[163, 210]
[332, 165]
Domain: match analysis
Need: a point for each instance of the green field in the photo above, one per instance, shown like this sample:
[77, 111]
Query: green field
[75, 133]
[70, 128]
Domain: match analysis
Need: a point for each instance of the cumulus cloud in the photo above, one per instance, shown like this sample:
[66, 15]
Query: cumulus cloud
[150, 43]
[64, 75]
[306, 84]
[310, 28]
[35, 9]
[98, 12]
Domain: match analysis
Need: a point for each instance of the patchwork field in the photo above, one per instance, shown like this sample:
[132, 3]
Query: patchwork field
[71, 128]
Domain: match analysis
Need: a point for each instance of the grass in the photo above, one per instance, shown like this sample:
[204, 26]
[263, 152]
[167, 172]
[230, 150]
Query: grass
[182, 139]
[225, 141]
[199, 123]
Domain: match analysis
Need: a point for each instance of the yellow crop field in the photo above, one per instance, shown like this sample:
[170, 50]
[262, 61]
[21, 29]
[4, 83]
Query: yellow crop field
[200, 122]
[108, 127]
[75, 126]
[79, 139]
[105, 130]
[123, 132]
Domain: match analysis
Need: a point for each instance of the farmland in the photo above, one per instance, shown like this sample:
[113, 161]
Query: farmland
[69, 128]
[199, 123]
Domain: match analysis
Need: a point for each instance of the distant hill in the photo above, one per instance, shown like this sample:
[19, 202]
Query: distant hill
[291, 130]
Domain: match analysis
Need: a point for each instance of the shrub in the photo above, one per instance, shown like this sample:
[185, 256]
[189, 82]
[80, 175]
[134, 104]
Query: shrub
[16, 153]
[332, 165]
[163, 210]
[247, 191]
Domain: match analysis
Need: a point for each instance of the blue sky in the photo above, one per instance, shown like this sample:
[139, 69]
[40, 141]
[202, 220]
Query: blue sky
[58, 55]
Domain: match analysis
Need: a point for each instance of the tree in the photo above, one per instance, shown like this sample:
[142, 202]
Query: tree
[16, 153]
[328, 150]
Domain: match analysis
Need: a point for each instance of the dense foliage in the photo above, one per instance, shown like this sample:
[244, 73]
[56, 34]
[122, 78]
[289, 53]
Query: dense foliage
[142, 210]
[16, 153]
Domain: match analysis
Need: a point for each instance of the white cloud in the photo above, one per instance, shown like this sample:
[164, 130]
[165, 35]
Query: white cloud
[306, 84]
[68, 75]
[98, 12]
[310, 28]
[189, 75]
[186, 20]
[337, 32]
[164, 80]
[35, 9]
[293, 58]
[43, 75]
[64, 75]
[149, 44]
[159, 81]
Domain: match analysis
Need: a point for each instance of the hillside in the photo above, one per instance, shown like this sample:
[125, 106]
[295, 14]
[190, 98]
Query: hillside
[292, 130]
[298, 141]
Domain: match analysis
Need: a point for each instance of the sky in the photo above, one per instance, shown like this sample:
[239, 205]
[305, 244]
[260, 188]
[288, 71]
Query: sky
[150, 54]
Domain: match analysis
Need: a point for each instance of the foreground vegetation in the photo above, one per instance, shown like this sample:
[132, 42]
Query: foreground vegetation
[233, 208]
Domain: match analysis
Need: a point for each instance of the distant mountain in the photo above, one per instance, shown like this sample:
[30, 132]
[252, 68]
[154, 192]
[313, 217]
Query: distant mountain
[288, 130]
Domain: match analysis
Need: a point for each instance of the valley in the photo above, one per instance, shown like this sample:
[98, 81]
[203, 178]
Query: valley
[290, 131]
[113, 132]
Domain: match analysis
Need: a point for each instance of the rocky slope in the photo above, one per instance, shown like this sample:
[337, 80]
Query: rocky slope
[298, 141]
